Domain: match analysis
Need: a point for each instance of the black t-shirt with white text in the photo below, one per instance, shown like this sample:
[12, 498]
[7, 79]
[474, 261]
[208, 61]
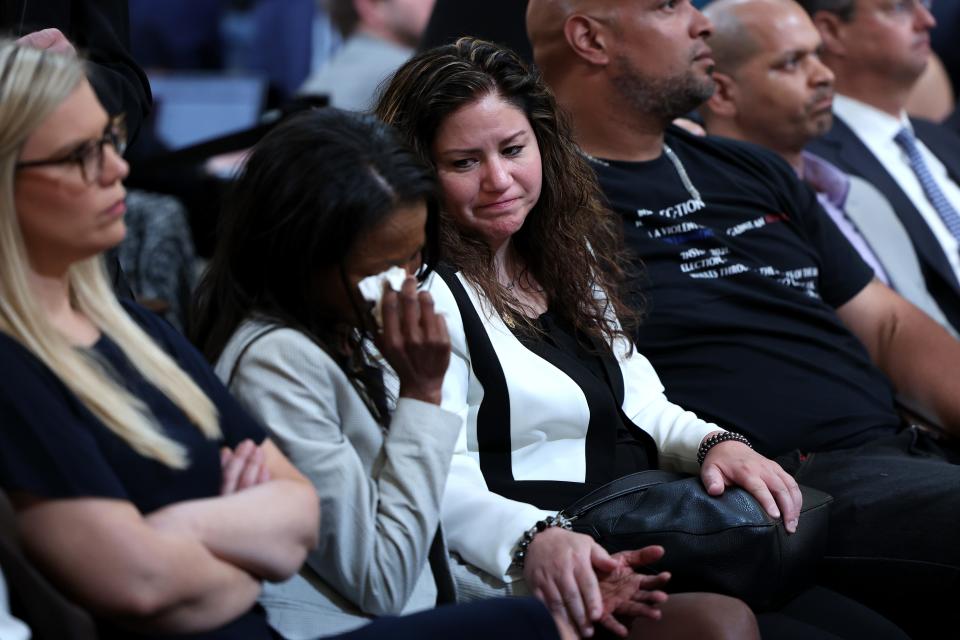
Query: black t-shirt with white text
[743, 272]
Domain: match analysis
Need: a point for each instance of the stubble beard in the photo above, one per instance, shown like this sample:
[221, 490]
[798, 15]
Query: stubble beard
[818, 124]
[664, 99]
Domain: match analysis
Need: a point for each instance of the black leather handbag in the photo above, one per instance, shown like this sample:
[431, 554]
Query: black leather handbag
[726, 544]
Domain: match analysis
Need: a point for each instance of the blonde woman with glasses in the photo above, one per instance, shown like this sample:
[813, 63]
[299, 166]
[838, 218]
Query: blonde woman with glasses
[133, 473]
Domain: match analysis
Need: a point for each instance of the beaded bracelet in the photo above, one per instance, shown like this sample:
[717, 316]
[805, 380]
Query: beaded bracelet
[559, 520]
[717, 438]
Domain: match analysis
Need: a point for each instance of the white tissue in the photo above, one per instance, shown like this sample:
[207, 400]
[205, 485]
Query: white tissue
[371, 288]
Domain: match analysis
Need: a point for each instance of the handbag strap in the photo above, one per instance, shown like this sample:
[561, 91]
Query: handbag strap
[243, 352]
[620, 487]
[440, 567]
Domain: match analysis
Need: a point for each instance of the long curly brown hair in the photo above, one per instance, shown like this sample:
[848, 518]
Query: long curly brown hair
[570, 242]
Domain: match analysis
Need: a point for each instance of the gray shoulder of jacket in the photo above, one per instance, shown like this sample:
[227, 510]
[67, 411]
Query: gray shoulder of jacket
[266, 342]
[874, 217]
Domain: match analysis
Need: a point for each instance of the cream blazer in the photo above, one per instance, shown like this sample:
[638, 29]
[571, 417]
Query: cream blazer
[379, 490]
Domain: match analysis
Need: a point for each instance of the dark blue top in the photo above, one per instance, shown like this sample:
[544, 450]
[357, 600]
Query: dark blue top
[52, 446]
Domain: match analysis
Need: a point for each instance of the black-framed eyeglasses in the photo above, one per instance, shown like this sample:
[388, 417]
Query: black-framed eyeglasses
[89, 156]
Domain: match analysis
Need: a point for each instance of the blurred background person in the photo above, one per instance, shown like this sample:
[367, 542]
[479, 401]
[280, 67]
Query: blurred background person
[100, 29]
[379, 36]
[499, 21]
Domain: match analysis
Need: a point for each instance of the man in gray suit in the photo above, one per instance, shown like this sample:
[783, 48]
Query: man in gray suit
[878, 50]
[773, 90]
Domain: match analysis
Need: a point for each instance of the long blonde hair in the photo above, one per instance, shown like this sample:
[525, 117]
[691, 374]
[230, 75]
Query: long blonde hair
[32, 85]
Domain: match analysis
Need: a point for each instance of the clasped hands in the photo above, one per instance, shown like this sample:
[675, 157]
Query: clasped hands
[242, 467]
[583, 585]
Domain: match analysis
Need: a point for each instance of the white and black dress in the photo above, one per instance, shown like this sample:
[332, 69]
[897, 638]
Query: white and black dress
[546, 419]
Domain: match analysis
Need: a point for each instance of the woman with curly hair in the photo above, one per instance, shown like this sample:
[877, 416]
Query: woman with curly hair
[554, 398]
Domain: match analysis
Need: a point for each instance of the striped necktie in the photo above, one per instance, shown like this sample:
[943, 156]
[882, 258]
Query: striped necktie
[944, 209]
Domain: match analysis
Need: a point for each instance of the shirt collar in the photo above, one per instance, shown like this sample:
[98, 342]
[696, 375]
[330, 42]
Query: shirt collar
[869, 123]
[825, 178]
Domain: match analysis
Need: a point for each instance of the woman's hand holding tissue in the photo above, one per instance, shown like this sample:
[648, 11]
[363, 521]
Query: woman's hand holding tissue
[414, 340]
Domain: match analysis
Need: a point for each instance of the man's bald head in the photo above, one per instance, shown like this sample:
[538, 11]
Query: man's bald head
[545, 16]
[737, 27]
[773, 88]
[546, 23]
[616, 64]
[545, 20]
[733, 42]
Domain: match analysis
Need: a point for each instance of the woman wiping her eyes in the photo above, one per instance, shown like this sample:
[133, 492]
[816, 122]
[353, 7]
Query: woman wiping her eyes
[326, 200]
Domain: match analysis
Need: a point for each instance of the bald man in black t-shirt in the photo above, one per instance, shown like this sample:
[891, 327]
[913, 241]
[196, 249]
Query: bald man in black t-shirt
[760, 316]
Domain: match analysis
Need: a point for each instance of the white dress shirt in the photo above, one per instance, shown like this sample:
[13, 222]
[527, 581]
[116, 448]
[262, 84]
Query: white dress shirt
[877, 129]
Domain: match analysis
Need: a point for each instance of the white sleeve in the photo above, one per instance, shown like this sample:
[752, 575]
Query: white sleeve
[480, 525]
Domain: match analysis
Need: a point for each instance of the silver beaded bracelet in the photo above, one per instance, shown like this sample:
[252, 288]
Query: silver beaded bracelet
[717, 438]
[559, 520]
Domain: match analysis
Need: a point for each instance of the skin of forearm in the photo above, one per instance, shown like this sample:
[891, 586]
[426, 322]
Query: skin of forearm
[922, 360]
[147, 580]
[266, 530]
[104, 555]
[209, 593]
[918, 355]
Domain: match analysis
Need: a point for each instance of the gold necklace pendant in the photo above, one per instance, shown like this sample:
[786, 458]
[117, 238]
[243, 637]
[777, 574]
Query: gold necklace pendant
[509, 321]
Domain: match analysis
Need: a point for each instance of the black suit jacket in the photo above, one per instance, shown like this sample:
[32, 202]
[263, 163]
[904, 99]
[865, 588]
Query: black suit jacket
[500, 21]
[100, 29]
[842, 147]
